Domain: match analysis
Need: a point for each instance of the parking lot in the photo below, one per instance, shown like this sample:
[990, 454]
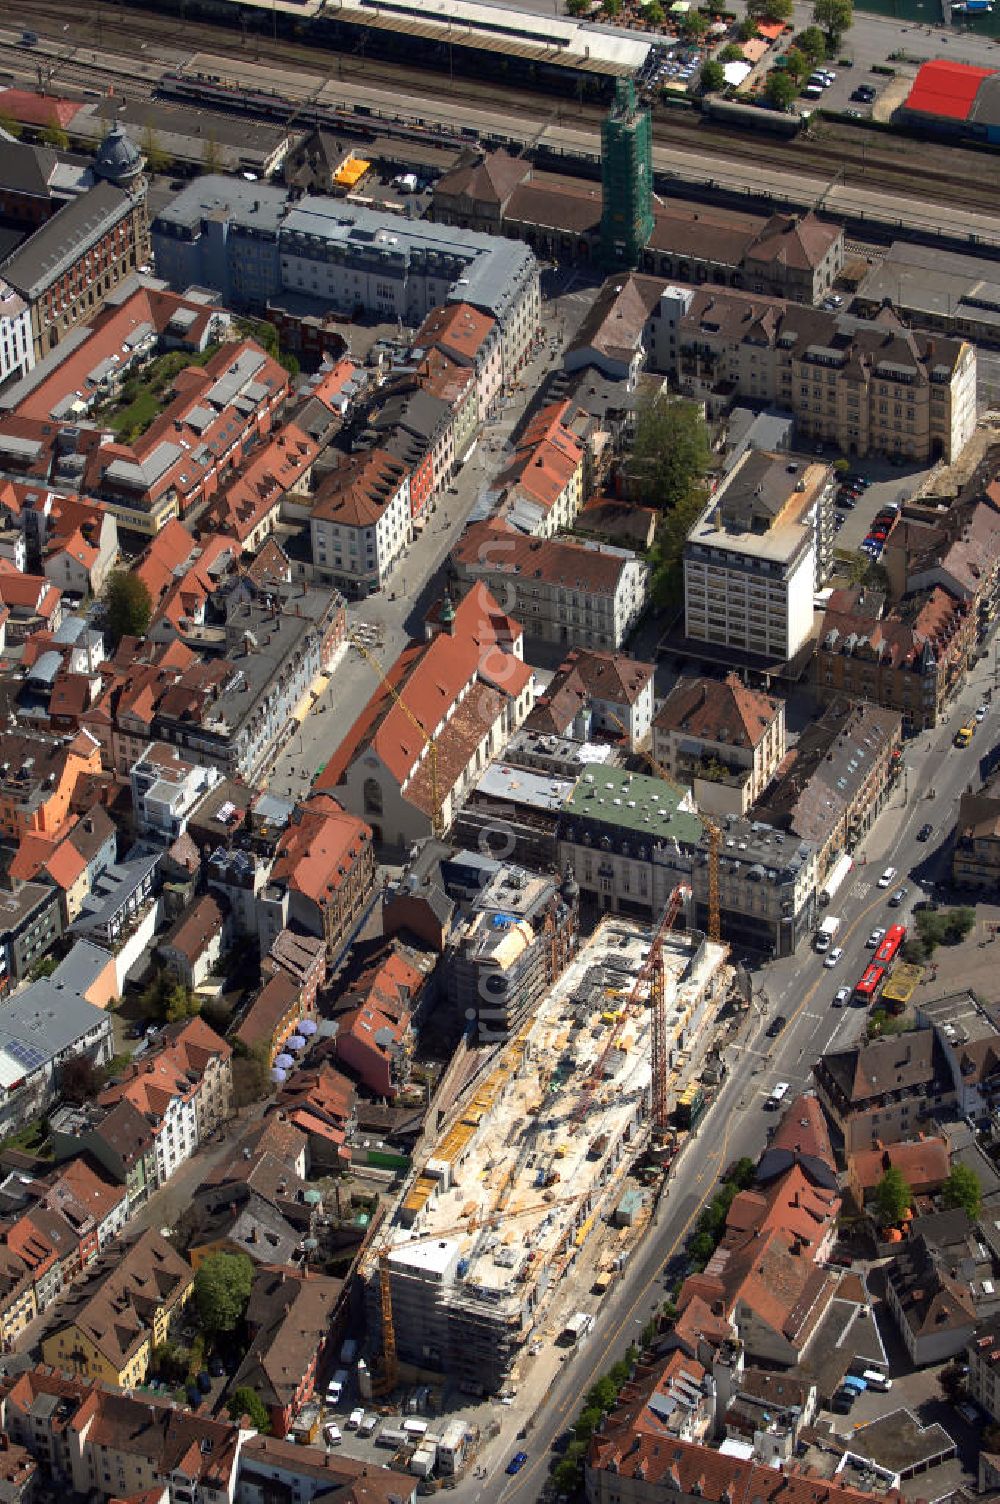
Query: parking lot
[889, 487]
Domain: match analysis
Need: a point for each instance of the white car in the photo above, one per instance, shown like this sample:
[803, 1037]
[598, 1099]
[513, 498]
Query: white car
[875, 939]
[981, 712]
[842, 997]
[354, 1419]
[886, 878]
[334, 1435]
[834, 956]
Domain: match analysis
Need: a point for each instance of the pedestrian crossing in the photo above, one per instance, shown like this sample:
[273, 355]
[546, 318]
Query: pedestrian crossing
[861, 889]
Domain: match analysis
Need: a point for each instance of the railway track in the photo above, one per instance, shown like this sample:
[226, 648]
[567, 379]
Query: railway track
[952, 175]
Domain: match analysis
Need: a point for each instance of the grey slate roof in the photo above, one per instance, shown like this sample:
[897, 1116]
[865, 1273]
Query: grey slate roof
[59, 243]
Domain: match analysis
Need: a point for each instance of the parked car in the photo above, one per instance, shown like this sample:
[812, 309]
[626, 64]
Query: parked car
[776, 1025]
[216, 1368]
[886, 878]
[925, 832]
[981, 712]
[926, 906]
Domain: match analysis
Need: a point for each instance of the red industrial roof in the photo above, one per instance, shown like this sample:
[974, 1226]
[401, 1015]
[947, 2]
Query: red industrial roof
[946, 88]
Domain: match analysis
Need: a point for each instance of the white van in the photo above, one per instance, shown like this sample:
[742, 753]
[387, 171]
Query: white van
[778, 1092]
[877, 1381]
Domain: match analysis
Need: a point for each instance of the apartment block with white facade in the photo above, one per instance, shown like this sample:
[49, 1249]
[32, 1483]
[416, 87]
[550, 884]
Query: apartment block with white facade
[360, 522]
[757, 554]
[586, 595]
[165, 789]
[17, 352]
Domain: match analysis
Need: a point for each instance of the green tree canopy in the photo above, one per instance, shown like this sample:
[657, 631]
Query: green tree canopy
[128, 603]
[834, 16]
[612, 9]
[694, 25]
[577, 7]
[221, 1291]
[246, 1401]
[770, 10]
[812, 42]
[892, 1197]
[157, 159]
[79, 1080]
[780, 89]
[797, 65]
[653, 13]
[731, 53]
[670, 454]
[743, 1173]
[10, 125]
[962, 1189]
[747, 29]
[712, 77]
[943, 926]
[53, 135]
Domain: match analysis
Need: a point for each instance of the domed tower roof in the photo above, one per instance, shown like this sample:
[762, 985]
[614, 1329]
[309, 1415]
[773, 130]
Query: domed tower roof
[570, 889]
[118, 159]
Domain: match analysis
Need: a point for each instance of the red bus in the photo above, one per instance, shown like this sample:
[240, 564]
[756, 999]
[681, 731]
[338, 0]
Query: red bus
[867, 989]
[894, 937]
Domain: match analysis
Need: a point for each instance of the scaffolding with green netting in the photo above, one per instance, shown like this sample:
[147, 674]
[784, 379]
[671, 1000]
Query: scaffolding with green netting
[627, 178]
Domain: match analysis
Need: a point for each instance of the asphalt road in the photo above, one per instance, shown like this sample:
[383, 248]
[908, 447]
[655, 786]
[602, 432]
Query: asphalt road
[802, 988]
[397, 613]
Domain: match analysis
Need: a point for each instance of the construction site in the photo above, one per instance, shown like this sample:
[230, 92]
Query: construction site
[522, 1175]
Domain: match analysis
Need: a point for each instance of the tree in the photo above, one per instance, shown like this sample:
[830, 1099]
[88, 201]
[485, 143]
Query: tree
[747, 29]
[211, 155]
[835, 17]
[10, 125]
[944, 927]
[129, 604]
[671, 452]
[604, 1393]
[652, 13]
[892, 1198]
[157, 160]
[170, 1362]
[780, 90]
[221, 1291]
[962, 1189]
[246, 1401]
[797, 65]
[181, 1003]
[770, 10]
[694, 25]
[713, 77]
[743, 1173]
[587, 1422]
[612, 9]
[577, 7]
[53, 135]
[79, 1080]
[731, 53]
[813, 43]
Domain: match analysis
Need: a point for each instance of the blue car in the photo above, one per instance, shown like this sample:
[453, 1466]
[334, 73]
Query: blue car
[517, 1462]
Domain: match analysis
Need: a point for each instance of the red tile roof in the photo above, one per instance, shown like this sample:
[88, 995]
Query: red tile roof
[946, 89]
[923, 1163]
[457, 329]
[29, 108]
[358, 491]
[318, 848]
[712, 711]
[493, 548]
[430, 678]
[258, 489]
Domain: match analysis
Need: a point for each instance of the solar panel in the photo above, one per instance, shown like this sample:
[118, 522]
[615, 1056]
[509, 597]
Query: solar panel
[27, 1055]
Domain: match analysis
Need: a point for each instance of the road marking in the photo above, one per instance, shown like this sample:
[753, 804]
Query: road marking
[861, 889]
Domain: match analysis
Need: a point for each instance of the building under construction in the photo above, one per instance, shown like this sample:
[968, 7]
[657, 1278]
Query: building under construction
[497, 1215]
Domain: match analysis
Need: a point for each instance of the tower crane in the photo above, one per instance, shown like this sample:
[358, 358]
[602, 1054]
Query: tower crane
[437, 820]
[714, 843]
